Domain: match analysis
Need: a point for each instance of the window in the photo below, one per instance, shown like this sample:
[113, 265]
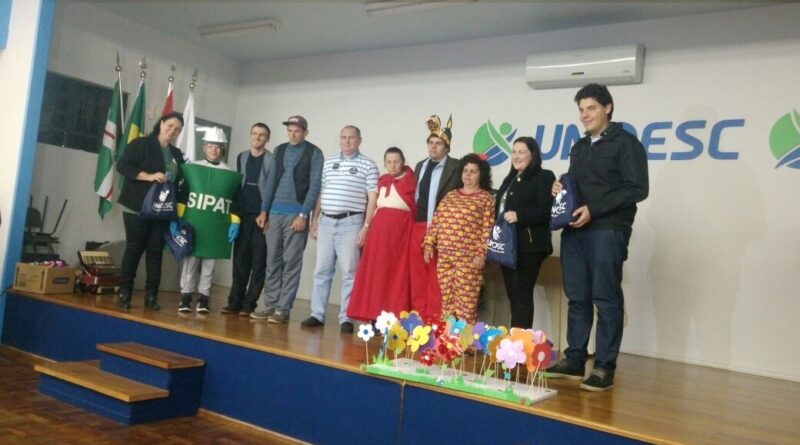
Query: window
[74, 112]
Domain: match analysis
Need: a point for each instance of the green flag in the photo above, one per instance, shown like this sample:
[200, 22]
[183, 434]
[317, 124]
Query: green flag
[104, 173]
[134, 129]
[208, 208]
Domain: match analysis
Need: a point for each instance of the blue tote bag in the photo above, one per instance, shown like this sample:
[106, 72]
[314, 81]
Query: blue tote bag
[503, 244]
[160, 202]
[565, 203]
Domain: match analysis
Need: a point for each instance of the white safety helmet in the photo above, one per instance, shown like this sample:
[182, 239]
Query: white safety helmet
[215, 135]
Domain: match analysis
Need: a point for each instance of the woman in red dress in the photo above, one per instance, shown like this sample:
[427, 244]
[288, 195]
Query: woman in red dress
[382, 279]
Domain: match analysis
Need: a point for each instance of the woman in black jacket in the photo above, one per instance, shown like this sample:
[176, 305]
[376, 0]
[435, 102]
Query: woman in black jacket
[148, 159]
[525, 199]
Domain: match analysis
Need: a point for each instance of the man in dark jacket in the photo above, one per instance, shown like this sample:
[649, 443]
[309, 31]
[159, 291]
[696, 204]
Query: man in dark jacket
[436, 176]
[609, 166]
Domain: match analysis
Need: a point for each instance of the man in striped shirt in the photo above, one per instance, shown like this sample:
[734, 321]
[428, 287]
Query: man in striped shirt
[340, 222]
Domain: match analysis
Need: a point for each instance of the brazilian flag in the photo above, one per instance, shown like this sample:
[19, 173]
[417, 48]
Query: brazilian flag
[211, 193]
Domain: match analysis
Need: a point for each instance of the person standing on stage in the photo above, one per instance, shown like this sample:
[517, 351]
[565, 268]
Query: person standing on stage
[609, 166]
[250, 250]
[459, 233]
[148, 159]
[292, 190]
[524, 199]
[340, 224]
[382, 281]
[436, 176]
[211, 212]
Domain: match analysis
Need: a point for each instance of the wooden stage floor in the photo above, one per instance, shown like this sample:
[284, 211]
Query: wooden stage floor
[653, 400]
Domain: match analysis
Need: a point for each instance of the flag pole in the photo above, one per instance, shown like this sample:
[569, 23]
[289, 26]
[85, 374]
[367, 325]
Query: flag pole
[118, 68]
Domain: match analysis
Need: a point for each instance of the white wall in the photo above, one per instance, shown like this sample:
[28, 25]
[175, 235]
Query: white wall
[85, 42]
[712, 272]
[16, 62]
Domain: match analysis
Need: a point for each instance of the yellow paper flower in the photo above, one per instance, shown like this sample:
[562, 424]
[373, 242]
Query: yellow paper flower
[419, 337]
[397, 338]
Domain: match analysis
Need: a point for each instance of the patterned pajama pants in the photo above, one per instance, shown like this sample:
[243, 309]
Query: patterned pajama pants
[460, 282]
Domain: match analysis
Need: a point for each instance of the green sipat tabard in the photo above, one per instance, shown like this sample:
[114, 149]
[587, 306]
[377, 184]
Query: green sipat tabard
[208, 208]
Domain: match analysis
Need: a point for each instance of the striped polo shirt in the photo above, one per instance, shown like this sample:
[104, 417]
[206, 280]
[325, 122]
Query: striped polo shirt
[346, 182]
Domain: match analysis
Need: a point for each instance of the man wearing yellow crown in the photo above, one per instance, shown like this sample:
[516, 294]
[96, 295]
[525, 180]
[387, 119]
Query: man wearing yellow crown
[436, 175]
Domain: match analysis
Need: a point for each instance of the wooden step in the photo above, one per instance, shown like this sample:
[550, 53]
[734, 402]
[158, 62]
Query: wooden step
[150, 355]
[88, 375]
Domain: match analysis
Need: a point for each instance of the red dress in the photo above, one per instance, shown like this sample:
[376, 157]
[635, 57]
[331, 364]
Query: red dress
[382, 281]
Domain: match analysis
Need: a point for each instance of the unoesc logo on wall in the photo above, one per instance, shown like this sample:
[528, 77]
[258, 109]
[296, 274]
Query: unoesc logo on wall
[784, 140]
[663, 140]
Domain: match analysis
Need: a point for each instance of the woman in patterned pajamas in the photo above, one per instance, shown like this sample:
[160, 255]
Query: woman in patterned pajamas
[458, 234]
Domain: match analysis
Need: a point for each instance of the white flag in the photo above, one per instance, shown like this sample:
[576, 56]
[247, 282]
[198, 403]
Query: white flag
[186, 139]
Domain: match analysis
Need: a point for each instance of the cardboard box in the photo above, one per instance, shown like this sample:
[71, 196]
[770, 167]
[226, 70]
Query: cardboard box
[44, 280]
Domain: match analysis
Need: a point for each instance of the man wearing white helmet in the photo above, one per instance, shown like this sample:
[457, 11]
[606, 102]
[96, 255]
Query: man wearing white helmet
[209, 198]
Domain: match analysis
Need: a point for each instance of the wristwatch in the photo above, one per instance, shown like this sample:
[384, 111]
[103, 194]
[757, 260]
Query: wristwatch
[302, 215]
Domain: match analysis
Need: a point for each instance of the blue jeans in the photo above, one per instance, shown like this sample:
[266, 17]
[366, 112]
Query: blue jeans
[591, 261]
[336, 239]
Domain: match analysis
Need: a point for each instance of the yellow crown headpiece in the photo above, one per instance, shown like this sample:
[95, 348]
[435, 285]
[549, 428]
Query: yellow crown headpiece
[436, 129]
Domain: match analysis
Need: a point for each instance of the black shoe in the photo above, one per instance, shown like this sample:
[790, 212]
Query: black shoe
[230, 309]
[566, 370]
[151, 302]
[186, 303]
[311, 322]
[599, 380]
[346, 327]
[124, 299]
[202, 305]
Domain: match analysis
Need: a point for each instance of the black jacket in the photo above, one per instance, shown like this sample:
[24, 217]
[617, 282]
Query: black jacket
[529, 195]
[611, 176]
[448, 181]
[143, 155]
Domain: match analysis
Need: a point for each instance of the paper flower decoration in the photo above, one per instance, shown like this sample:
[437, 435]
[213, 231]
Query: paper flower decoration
[385, 321]
[526, 336]
[365, 332]
[397, 338]
[541, 356]
[426, 357]
[410, 320]
[488, 336]
[455, 326]
[466, 336]
[511, 353]
[494, 345]
[448, 347]
[420, 335]
[477, 331]
[539, 337]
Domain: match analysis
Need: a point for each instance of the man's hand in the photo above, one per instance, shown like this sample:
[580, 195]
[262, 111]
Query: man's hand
[261, 221]
[583, 217]
[314, 230]
[362, 236]
[299, 224]
[557, 187]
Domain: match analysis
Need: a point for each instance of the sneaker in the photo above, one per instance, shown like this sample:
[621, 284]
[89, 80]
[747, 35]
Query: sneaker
[346, 327]
[229, 309]
[312, 322]
[279, 317]
[186, 303]
[599, 380]
[261, 315]
[566, 370]
[202, 305]
[245, 312]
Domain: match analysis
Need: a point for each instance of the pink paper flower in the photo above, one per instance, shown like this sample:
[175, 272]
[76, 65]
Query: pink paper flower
[511, 353]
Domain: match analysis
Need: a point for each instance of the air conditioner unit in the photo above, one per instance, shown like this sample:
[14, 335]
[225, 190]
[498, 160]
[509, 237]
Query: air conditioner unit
[612, 65]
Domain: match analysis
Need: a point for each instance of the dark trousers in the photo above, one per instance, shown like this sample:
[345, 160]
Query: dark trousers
[142, 236]
[519, 287]
[591, 261]
[249, 264]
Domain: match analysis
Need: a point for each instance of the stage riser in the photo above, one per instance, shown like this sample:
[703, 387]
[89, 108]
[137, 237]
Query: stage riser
[122, 412]
[308, 401]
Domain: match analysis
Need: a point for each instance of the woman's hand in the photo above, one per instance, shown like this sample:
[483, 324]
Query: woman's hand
[158, 177]
[510, 216]
[427, 256]
[479, 261]
[557, 187]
